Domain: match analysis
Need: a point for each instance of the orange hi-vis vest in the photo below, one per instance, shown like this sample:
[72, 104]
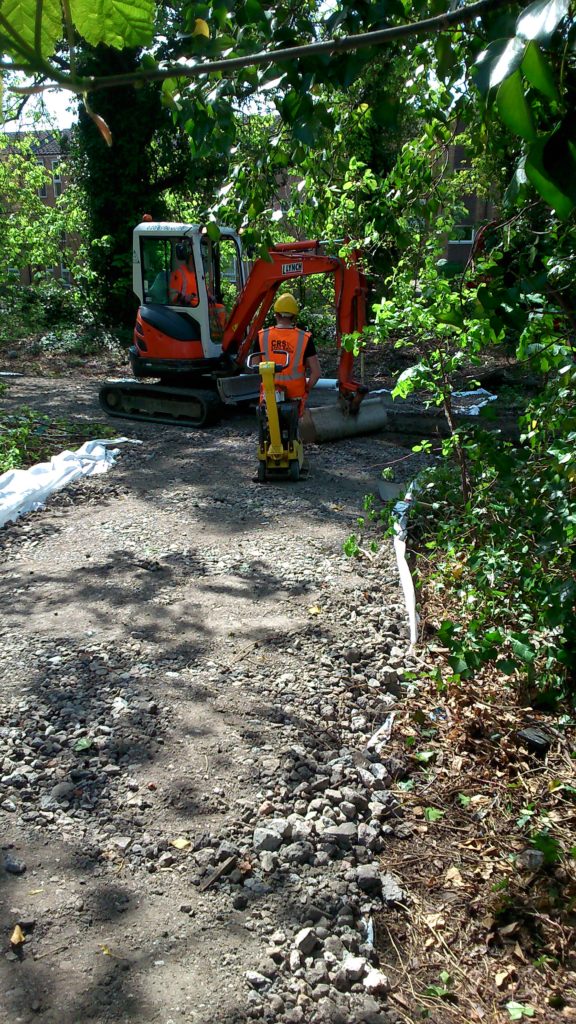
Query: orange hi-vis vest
[183, 281]
[274, 341]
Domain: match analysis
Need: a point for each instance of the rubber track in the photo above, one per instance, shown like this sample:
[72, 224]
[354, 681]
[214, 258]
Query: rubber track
[152, 404]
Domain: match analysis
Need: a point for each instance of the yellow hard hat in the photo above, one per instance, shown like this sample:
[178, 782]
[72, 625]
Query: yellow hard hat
[286, 303]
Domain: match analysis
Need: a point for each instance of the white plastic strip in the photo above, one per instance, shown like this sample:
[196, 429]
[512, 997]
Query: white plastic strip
[407, 586]
[25, 490]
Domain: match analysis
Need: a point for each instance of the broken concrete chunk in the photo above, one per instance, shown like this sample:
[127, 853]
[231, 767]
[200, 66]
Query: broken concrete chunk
[306, 940]
[376, 982]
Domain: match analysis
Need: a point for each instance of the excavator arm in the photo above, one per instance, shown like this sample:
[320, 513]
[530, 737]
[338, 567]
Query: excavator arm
[289, 262]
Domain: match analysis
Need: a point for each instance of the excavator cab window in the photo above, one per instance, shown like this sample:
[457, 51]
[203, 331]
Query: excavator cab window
[221, 261]
[156, 260]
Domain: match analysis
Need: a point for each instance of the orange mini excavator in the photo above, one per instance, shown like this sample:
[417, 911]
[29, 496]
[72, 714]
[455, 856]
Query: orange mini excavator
[192, 341]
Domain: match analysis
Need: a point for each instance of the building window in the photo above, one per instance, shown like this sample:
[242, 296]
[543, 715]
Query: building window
[56, 179]
[464, 234]
[65, 275]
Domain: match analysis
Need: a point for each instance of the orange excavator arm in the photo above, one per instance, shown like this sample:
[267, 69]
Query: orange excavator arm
[289, 262]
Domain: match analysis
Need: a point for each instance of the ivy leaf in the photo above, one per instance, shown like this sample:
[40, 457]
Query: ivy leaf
[514, 109]
[116, 23]
[537, 70]
[541, 19]
[433, 814]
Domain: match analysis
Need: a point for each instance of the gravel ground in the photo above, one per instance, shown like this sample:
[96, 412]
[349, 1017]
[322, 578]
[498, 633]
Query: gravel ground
[196, 690]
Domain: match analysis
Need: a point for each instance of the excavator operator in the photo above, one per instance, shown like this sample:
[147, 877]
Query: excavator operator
[183, 288]
[298, 378]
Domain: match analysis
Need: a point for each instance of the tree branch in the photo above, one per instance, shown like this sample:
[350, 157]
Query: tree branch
[346, 44]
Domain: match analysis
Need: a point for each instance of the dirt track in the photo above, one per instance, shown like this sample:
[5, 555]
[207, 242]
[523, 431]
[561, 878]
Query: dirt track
[175, 643]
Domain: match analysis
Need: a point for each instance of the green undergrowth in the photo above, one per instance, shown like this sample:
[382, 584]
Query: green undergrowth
[498, 566]
[28, 437]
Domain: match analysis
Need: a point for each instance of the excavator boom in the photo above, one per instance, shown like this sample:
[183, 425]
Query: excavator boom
[289, 262]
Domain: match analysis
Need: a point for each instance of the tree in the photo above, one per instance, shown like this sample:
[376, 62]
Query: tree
[30, 231]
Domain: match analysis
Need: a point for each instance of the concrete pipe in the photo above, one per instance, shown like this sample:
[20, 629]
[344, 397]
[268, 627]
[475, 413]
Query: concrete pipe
[328, 422]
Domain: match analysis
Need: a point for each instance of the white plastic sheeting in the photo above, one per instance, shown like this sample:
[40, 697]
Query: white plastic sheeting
[401, 513]
[25, 490]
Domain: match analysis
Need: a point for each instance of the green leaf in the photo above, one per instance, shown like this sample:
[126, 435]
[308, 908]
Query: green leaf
[514, 109]
[516, 191]
[464, 800]
[425, 756]
[507, 666]
[84, 743]
[537, 70]
[433, 814]
[508, 62]
[303, 130]
[549, 846]
[436, 991]
[213, 231]
[500, 53]
[518, 1010]
[116, 23]
[539, 176]
[458, 665]
[541, 19]
[522, 650]
[21, 16]
[446, 59]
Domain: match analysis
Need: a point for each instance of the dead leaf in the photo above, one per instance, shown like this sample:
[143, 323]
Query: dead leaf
[503, 975]
[435, 920]
[105, 951]
[180, 843]
[101, 126]
[519, 953]
[454, 877]
[486, 871]
[17, 937]
[315, 609]
[201, 28]
[508, 929]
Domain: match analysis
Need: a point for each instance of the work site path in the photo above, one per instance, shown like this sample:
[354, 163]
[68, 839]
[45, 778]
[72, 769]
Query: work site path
[194, 805]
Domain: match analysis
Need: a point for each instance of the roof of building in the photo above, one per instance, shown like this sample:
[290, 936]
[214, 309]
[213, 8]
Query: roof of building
[46, 142]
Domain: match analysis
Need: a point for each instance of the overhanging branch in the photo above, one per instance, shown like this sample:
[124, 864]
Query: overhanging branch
[346, 44]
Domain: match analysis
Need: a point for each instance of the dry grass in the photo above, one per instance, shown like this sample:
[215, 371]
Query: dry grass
[485, 924]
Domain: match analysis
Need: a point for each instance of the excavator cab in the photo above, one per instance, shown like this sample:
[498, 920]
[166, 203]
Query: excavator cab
[187, 283]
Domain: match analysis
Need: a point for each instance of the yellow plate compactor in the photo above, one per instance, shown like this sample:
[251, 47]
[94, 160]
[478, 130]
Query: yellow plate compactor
[280, 450]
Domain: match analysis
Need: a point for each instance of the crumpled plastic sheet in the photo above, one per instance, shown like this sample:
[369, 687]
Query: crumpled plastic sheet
[26, 490]
[481, 393]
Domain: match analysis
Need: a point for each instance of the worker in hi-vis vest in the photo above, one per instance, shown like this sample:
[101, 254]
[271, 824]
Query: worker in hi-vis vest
[183, 287]
[303, 370]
